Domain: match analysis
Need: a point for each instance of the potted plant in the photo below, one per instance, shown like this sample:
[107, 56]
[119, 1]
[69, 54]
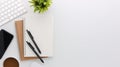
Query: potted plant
[40, 5]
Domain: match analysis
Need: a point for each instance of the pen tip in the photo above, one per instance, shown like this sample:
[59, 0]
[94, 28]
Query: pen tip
[42, 61]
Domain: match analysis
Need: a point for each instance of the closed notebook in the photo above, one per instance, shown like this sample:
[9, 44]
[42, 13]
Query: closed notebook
[42, 30]
[19, 31]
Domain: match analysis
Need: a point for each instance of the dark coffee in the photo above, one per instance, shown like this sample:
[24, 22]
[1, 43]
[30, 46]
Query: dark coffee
[11, 62]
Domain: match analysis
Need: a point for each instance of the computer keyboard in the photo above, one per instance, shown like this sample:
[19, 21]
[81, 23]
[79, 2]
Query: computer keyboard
[10, 9]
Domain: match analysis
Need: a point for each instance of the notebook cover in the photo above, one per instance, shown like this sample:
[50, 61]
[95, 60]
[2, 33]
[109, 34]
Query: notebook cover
[42, 29]
[19, 31]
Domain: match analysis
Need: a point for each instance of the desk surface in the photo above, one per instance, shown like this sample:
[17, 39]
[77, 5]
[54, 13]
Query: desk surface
[87, 34]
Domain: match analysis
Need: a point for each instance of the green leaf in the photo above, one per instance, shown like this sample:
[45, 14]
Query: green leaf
[40, 5]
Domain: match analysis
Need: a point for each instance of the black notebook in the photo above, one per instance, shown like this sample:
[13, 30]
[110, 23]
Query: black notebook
[5, 39]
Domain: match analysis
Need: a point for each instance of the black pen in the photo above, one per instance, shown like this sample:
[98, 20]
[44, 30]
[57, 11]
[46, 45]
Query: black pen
[32, 38]
[34, 51]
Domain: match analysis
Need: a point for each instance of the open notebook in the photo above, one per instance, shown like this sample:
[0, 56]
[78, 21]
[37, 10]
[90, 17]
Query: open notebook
[42, 31]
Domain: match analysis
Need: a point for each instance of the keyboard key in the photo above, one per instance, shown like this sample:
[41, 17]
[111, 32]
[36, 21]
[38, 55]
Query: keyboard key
[10, 9]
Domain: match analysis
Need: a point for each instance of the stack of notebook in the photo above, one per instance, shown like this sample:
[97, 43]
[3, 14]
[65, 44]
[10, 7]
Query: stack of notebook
[43, 35]
[19, 30]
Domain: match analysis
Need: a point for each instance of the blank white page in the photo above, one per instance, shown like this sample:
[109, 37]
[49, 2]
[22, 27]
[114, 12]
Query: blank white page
[42, 31]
